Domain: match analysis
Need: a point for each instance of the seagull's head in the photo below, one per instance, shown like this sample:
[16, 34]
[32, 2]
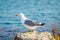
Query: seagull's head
[21, 14]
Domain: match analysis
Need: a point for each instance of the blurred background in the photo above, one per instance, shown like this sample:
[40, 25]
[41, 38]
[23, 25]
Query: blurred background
[46, 11]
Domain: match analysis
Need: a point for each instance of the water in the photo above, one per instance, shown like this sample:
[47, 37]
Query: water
[47, 11]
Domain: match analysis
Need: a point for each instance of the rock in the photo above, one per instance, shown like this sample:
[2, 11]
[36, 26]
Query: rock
[35, 35]
[18, 37]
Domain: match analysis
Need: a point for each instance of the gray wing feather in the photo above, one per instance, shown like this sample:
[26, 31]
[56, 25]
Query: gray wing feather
[31, 23]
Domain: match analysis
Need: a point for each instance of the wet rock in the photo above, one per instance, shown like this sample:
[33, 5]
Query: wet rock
[18, 37]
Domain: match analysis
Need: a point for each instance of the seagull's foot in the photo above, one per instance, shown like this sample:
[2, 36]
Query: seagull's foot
[31, 31]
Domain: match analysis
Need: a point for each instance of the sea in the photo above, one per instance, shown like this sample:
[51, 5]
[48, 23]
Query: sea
[44, 11]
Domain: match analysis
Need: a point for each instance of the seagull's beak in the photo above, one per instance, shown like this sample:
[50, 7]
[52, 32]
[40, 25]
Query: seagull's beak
[17, 14]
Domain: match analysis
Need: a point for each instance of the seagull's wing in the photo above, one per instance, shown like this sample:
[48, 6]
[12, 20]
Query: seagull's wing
[31, 23]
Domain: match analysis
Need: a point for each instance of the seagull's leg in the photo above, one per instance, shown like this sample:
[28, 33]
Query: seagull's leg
[31, 31]
[25, 32]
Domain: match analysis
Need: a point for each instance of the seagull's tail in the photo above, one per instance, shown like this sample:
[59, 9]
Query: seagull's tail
[41, 24]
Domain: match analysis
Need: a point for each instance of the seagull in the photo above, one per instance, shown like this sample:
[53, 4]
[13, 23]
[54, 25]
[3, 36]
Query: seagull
[28, 23]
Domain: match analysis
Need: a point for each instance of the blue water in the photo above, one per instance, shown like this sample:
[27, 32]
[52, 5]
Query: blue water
[47, 11]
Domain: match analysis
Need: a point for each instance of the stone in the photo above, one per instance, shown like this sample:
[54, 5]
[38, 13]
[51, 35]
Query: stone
[35, 35]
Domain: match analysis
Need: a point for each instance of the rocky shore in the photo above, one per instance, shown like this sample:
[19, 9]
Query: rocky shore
[35, 35]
